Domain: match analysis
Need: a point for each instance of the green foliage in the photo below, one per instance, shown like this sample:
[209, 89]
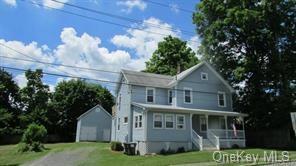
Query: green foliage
[73, 98]
[253, 44]
[171, 53]
[9, 101]
[116, 146]
[32, 138]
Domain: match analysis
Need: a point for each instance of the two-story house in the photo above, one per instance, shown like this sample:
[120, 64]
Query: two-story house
[192, 109]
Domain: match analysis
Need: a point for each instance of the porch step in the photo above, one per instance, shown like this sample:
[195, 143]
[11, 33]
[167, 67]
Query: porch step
[207, 145]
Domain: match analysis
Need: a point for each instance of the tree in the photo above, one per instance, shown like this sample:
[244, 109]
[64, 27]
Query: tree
[35, 98]
[253, 45]
[73, 98]
[171, 54]
[9, 104]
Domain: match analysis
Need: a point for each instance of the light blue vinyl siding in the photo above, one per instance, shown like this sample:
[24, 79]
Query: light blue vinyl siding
[91, 126]
[204, 95]
[123, 110]
[139, 95]
[138, 133]
[168, 134]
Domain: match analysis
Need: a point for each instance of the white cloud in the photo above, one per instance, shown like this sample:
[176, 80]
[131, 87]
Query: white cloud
[194, 43]
[21, 80]
[53, 4]
[174, 7]
[10, 2]
[131, 4]
[46, 3]
[143, 42]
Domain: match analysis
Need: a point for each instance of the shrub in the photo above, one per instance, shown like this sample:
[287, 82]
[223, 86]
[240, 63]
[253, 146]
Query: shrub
[181, 150]
[234, 146]
[162, 151]
[33, 138]
[116, 146]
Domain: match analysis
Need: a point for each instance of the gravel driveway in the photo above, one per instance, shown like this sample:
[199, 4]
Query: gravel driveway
[64, 158]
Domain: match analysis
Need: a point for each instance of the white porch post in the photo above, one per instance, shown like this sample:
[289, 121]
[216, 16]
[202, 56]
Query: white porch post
[244, 130]
[226, 130]
[190, 121]
[207, 121]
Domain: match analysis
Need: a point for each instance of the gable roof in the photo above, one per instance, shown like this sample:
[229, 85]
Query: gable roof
[97, 106]
[147, 79]
[187, 72]
[163, 81]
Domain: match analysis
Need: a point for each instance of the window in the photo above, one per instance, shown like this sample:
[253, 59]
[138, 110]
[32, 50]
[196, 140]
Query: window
[150, 95]
[125, 120]
[170, 96]
[187, 95]
[169, 121]
[157, 121]
[180, 121]
[221, 99]
[204, 76]
[118, 124]
[203, 123]
[138, 121]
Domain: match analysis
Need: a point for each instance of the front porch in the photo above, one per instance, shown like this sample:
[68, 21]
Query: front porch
[214, 132]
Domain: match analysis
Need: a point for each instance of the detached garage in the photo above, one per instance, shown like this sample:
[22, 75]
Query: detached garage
[94, 125]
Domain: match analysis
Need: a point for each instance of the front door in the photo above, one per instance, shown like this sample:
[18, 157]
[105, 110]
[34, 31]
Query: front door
[203, 125]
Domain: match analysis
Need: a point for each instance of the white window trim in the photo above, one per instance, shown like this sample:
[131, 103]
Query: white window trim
[224, 98]
[125, 123]
[169, 96]
[154, 114]
[191, 99]
[203, 73]
[202, 117]
[147, 95]
[166, 121]
[138, 116]
[180, 124]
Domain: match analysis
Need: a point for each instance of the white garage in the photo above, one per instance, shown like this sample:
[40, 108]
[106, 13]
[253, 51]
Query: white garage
[94, 125]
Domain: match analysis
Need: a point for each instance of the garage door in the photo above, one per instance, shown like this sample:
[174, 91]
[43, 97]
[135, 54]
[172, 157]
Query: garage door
[88, 133]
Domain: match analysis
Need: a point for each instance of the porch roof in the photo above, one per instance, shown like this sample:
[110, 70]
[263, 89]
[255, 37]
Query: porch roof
[187, 110]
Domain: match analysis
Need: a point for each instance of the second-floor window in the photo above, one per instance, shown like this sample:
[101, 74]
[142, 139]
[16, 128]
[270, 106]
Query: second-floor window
[187, 95]
[204, 76]
[170, 96]
[150, 93]
[221, 99]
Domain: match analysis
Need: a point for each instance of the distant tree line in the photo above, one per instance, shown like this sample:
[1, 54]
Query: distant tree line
[57, 111]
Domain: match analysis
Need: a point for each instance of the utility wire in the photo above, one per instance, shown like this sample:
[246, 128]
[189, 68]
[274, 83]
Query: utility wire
[169, 6]
[77, 67]
[120, 17]
[99, 80]
[100, 20]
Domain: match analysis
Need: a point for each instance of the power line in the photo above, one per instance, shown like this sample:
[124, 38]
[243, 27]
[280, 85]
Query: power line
[169, 6]
[77, 67]
[120, 17]
[3, 45]
[101, 20]
[98, 80]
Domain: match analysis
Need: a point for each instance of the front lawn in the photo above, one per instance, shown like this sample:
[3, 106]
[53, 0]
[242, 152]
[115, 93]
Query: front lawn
[102, 155]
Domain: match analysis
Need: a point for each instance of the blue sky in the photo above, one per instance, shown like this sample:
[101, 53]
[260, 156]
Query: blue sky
[53, 36]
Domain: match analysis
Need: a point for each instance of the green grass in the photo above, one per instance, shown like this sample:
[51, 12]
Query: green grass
[102, 155]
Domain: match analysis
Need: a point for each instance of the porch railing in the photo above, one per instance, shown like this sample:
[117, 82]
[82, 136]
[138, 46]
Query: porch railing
[196, 140]
[213, 139]
[228, 134]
